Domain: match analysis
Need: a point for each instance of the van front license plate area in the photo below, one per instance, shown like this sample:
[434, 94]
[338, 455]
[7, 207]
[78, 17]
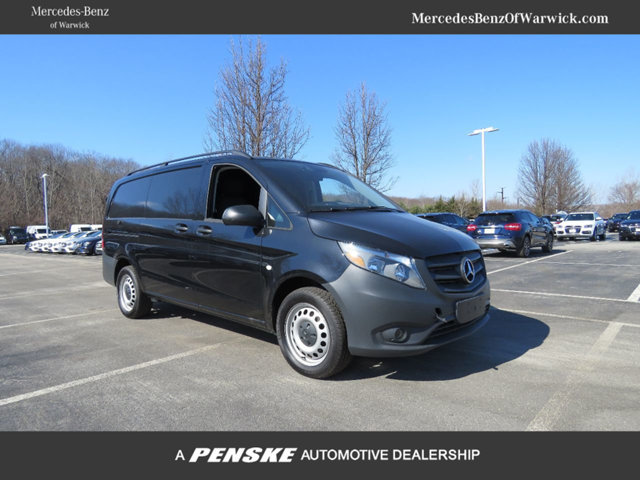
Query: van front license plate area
[469, 309]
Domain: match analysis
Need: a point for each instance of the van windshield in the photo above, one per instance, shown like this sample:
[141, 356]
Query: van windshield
[317, 188]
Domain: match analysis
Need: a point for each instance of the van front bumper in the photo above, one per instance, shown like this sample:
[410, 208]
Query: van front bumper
[385, 318]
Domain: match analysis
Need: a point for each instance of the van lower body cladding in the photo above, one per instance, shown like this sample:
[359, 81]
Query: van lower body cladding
[385, 318]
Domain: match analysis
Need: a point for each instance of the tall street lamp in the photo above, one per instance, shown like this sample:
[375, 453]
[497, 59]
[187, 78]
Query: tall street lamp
[46, 210]
[484, 187]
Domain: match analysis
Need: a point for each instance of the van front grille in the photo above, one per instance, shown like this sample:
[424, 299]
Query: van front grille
[446, 271]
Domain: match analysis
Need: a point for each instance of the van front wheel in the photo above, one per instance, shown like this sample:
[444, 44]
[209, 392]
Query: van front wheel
[311, 333]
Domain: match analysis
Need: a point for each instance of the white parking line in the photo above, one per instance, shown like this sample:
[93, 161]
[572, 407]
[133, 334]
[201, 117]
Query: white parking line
[596, 264]
[544, 294]
[552, 411]
[55, 291]
[113, 373]
[530, 261]
[567, 317]
[635, 296]
[29, 272]
[91, 312]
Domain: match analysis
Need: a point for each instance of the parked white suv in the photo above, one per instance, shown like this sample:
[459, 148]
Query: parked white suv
[582, 225]
[37, 232]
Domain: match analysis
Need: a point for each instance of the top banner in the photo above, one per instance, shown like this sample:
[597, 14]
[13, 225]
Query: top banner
[328, 16]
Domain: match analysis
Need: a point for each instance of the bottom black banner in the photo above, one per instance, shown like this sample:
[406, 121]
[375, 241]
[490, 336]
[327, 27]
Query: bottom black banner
[500, 454]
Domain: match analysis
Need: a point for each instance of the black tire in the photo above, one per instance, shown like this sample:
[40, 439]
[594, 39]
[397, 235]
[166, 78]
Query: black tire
[525, 249]
[133, 302]
[548, 246]
[603, 237]
[594, 237]
[622, 238]
[311, 333]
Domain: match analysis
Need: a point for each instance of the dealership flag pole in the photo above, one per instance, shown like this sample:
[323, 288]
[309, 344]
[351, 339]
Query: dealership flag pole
[46, 210]
[484, 188]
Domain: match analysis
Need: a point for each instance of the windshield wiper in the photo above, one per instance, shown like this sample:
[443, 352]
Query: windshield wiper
[378, 208]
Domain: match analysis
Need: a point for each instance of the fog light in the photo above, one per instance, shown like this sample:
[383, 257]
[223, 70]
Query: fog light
[395, 335]
[400, 335]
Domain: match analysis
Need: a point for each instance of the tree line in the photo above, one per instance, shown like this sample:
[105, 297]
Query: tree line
[77, 184]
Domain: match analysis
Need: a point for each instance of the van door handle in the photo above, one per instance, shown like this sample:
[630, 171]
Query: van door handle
[203, 230]
[181, 228]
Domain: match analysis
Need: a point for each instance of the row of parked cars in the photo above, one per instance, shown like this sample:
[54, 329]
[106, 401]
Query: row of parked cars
[519, 231]
[79, 243]
[21, 235]
[626, 224]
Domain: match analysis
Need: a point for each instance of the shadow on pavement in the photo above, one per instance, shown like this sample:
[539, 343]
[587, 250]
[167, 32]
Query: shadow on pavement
[504, 338]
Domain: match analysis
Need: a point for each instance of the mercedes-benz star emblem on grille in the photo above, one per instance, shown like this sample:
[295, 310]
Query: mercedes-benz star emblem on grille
[467, 270]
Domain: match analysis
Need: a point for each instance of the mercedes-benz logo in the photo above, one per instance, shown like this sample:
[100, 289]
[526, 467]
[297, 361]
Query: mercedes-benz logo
[467, 270]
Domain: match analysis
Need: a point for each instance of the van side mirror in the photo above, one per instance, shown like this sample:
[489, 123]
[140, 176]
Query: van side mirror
[243, 215]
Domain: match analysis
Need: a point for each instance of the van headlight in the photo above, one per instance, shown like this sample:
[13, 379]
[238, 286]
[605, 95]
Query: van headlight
[397, 267]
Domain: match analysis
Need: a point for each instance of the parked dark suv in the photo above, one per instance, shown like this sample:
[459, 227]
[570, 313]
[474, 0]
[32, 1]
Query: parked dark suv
[449, 219]
[16, 235]
[630, 226]
[614, 222]
[302, 250]
[512, 230]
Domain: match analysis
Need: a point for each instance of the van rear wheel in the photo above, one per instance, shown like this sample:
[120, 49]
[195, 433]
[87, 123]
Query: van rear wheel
[311, 333]
[133, 302]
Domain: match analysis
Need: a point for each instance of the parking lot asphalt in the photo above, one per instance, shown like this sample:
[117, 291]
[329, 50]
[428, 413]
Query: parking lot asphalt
[559, 353]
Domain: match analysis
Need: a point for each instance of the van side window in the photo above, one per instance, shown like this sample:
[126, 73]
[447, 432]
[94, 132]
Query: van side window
[176, 194]
[129, 199]
[231, 186]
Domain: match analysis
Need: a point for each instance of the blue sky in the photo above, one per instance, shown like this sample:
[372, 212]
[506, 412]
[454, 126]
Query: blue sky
[146, 98]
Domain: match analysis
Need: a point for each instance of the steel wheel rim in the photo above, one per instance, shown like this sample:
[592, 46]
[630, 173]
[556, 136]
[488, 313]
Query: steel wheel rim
[127, 293]
[307, 334]
[527, 247]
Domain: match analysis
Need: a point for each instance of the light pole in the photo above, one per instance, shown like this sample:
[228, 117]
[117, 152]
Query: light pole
[484, 187]
[46, 210]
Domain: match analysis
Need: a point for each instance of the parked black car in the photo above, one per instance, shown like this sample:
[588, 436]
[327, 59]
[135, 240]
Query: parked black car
[445, 218]
[87, 244]
[302, 250]
[630, 227]
[512, 230]
[614, 222]
[16, 235]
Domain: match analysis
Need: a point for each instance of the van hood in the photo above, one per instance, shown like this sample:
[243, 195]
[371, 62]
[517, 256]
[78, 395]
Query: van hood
[394, 232]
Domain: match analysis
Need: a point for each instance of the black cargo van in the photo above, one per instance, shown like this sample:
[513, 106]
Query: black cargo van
[302, 250]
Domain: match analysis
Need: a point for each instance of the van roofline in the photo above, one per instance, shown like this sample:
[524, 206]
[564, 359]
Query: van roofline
[193, 157]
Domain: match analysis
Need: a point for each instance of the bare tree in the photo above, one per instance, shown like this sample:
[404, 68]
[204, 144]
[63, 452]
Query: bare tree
[77, 185]
[364, 139]
[550, 180]
[626, 192]
[252, 112]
